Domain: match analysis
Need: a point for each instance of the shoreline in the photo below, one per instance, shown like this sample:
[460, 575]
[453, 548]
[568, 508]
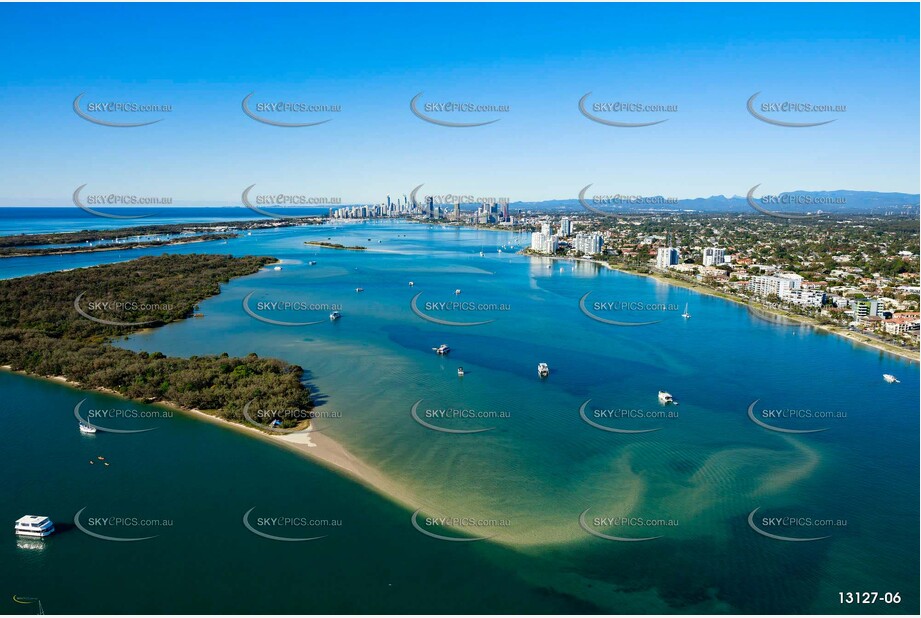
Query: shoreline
[852, 336]
[314, 446]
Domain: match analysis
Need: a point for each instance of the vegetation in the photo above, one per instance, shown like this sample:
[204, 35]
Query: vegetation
[21, 251]
[333, 245]
[41, 332]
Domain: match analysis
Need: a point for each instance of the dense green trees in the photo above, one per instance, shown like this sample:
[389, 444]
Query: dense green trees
[42, 332]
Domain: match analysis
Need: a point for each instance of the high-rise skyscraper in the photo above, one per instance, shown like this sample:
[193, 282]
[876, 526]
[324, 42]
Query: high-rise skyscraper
[565, 227]
[713, 256]
[666, 256]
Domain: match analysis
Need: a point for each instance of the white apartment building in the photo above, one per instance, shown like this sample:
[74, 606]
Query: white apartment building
[565, 227]
[544, 243]
[767, 285]
[804, 298]
[666, 256]
[713, 256]
[589, 244]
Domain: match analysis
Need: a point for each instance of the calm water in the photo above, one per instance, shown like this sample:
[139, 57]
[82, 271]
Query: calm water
[538, 468]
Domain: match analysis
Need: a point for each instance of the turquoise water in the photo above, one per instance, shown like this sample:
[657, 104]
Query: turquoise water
[538, 467]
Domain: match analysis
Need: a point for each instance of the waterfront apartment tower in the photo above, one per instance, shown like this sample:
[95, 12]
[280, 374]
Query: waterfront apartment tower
[666, 256]
[714, 256]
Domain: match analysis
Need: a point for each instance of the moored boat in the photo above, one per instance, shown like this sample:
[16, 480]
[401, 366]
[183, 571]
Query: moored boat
[34, 526]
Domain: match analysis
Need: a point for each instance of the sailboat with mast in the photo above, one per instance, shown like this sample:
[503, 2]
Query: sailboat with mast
[686, 315]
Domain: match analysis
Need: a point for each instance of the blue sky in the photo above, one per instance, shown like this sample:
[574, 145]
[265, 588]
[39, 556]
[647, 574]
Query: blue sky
[538, 59]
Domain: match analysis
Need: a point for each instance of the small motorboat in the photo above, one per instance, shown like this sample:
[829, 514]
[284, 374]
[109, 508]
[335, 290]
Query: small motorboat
[442, 349]
[335, 315]
[277, 268]
[666, 398]
[312, 263]
[84, 428]
[891, 379]
[543, 370]
[411, 284]
[457, 292]
[359, 289]
[460, 372]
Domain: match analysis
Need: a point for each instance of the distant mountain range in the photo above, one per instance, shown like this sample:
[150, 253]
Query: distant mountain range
[857, 202]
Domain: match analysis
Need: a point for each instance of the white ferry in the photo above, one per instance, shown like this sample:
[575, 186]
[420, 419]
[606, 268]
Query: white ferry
[543, 370]
[891, 379]
[666, 398]
[34, 525]
[442, 349]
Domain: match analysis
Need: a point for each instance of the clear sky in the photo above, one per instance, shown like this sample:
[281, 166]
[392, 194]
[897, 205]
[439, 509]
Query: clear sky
[707, 59]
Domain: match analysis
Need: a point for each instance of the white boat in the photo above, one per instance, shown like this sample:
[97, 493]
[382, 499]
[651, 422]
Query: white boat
[685, 315]
[84, 428]
[411, 284]
[335, 315]
[457, 291]
[34, 525]
[482, 254]
[359, 289]
[460, 372]
[543, 370]
[442, 349]
[891, 379]
[312, 263]
[277, 268]
[666, 398]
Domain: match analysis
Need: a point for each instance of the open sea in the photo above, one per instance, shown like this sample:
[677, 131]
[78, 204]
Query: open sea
[578, 493]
